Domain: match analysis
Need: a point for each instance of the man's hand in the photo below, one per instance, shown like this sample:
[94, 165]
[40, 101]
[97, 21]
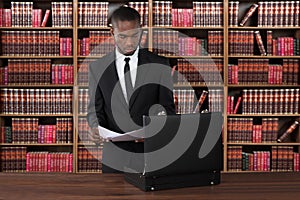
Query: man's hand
[95, 137]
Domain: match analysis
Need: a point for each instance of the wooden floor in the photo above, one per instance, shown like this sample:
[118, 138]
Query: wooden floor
[96, 186]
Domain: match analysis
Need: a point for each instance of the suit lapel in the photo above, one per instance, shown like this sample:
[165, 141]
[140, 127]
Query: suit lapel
[113, 79]
[140, 76]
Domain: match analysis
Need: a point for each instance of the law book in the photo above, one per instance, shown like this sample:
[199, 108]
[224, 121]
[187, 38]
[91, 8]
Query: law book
[45, 19]
[248, 14]
[237, 105]
[260, 43]
[288, 131]
[201, 101]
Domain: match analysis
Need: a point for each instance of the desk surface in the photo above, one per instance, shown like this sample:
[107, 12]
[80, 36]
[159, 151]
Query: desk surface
[105, 186]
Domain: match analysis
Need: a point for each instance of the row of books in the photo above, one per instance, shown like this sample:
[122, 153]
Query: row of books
[269, 13]
[28, 130]
[65, 46]
[98, 43]
[62, 14]
[196, 71]
[143, 9]
[35, 101]
[13, 159]
[242, 43]
[22, 14]
[233, 104]
[28, 18]
[202, 14]
[35, 43]
[83, 97]
[280, 158]
[192, 46]
[285, 46]
[83, 131]
[49, 162]
[62, 74]
[270, 101]
[17, 159]
[92, 14]
[89, 159]
[262, 72]
[5, 134]
[83, 67]
[186, 101]
[278, 13]
[35, 71]
[243, 130]
[169, 43]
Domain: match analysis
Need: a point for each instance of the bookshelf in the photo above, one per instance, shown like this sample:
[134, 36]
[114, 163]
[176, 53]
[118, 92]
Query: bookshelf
[228, 53]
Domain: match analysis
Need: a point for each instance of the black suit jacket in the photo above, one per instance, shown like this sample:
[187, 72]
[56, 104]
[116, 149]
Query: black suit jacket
[107, 106]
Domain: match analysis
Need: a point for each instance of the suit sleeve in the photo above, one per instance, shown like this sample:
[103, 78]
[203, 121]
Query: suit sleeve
[96, 115]
[166, 98]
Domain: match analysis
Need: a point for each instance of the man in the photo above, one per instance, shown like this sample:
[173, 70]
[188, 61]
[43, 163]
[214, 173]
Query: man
[119, 98]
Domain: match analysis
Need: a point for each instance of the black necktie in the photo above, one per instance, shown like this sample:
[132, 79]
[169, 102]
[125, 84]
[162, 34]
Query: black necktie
[128, 83]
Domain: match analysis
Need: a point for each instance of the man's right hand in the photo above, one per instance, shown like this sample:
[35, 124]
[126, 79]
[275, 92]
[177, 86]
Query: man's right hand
[94, 136]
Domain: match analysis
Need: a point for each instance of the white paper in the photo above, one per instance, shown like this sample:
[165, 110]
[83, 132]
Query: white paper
[115, 137]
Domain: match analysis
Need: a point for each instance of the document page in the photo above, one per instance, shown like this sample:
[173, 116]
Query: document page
[115, 137]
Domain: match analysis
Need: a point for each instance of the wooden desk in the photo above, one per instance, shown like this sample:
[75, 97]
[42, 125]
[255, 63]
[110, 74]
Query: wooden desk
[98, 186]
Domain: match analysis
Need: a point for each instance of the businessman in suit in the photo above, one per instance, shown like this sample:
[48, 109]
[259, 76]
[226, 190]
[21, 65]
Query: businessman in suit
[124, 85]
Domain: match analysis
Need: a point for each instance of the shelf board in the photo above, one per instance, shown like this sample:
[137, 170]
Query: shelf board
[38, 86]
[82, 115]
[89, 144]
[36, 115]
[35, 57]
[258, 172]
[200, 85]
[93, 27]
[36, 144]
[92, 57]
[193, 57]
[263, 27]
[257, 56]
[263, 115]
[242, 85]
[36, 28]
[190, 27]
[264, 144]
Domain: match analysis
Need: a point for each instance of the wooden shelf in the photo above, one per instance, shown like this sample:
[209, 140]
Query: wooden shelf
[265, 27]
[257, 56]
[36, 57]
[194, 57]
[36, 144]
[38, 86]
[199, 85]
[190, 28]
[37, 28]
[243, 85]
[263, 115]
[263, 144]
[36, 115]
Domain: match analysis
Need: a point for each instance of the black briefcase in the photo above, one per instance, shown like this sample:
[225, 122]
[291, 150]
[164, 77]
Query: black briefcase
[198, 158]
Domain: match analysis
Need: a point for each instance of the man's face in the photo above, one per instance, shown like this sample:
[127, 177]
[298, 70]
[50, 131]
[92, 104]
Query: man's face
[127, 36]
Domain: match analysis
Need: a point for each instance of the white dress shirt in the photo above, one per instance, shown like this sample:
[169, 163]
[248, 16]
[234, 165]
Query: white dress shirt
[120, 63]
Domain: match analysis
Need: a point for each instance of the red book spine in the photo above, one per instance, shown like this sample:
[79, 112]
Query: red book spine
[70, 162]
[237, 105]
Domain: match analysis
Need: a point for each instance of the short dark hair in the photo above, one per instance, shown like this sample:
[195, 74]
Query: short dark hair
[125, 13]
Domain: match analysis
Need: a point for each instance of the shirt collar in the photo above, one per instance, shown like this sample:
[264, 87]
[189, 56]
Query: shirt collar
[122, 56]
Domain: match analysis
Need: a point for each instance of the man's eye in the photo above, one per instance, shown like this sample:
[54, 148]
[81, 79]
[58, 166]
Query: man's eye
[122, 36]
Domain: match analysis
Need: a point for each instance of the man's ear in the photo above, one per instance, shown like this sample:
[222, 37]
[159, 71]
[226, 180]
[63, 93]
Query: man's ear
[112, 31]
